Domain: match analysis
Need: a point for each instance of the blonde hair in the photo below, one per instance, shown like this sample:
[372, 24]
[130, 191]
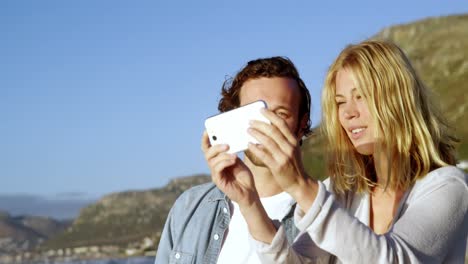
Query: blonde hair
[412, 134]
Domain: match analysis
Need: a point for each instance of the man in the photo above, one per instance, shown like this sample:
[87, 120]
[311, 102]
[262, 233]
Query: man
[204, 226]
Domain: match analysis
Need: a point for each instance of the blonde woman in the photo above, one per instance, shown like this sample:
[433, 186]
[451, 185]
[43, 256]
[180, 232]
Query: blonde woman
[393, 195]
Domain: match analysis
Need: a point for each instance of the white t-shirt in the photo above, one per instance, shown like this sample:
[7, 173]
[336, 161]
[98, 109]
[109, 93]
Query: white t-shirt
[237, 247]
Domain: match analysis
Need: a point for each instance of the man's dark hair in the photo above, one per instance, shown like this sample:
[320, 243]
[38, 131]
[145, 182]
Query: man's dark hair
[268, 68]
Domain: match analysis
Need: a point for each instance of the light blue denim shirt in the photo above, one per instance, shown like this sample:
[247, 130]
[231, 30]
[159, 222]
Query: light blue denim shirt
[196, 225]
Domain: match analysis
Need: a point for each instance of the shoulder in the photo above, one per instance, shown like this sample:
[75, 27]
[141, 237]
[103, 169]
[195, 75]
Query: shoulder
[192, 196]
[444, 175]
[449, 178]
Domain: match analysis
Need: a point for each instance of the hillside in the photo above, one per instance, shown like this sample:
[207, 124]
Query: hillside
[18, 234]
[123, 218]
[438, 49]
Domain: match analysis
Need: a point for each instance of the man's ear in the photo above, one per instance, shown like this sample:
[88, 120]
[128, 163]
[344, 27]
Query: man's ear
[302, 127]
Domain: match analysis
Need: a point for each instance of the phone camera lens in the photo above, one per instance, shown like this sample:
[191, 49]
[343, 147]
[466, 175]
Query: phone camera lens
[214, 138]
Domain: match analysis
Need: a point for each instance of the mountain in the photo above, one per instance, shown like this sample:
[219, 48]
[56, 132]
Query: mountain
[24, 233]
[123, 218]
[438, 49]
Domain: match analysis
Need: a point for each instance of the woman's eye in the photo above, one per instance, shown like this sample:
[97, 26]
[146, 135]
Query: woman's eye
[339, 103]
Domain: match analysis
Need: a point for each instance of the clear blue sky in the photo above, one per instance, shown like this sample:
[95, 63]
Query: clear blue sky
[103, 96]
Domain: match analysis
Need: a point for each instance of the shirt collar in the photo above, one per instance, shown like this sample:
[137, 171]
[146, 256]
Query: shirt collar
[217, 195]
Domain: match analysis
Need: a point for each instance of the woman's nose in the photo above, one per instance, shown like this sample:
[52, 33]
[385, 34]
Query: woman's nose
[350, 111]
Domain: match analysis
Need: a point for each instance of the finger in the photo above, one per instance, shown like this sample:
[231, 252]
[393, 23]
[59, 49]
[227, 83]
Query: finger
[266, 141]
[219, 164]
[277, 158]
[219, 158]
[211, 151]
[272, 132]
[205, 143]
[215, 150]
[281, 125]
[261, 153]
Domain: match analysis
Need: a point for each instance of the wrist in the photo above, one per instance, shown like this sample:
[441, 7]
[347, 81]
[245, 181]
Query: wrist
[250, 205]
[304, 193]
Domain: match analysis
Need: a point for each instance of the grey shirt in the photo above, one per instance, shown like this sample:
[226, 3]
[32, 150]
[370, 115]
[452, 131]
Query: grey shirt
[196, 227]
[431, 226]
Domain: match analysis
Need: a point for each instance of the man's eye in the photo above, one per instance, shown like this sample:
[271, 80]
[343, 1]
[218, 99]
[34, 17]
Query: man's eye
[282, 115]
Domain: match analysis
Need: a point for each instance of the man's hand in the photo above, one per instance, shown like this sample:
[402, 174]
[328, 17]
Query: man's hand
[230, 173]
[235, 179]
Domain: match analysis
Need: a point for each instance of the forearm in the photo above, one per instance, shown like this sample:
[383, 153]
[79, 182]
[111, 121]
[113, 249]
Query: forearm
[260, 226]
[303, 250]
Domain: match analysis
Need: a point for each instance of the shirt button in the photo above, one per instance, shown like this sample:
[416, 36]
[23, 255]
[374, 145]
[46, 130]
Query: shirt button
[216, 237]
[225, 210]
[177, 256]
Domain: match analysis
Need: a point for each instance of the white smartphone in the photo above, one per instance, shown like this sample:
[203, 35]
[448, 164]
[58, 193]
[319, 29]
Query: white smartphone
[231, 127]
